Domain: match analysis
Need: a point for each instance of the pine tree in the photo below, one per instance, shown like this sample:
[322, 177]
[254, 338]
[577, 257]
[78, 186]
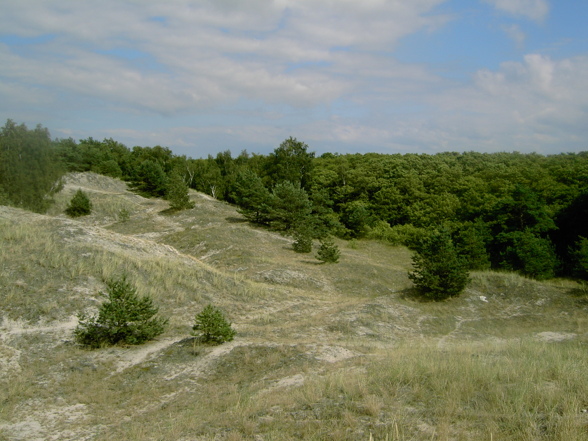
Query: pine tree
[150, 179]
[439, 272]
[252, 197]
[302, 240]
[80, 205]
[328, 251]
[211, 326]
[124, 318]
[177, 193]
[289, 206]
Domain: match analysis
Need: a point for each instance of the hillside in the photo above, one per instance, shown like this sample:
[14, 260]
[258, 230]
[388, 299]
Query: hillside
[342, 351]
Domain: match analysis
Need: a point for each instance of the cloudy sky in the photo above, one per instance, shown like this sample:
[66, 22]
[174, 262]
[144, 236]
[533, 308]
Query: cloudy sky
[390, 76]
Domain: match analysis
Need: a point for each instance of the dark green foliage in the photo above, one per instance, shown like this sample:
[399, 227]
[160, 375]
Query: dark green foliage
[289, 206]
[207, 177]
[252, 197]
[4, 199]
[572, 224]
[328, 251]
[439, 272]
[529, 254]
[79, 205]
[302, 240]
[470, 242]
[30, 170]
[357, 218]
[406, 234]
[580, 258]
[325, 220]
[526, 252]
[108, 168]
[177, 193]
[291, 162]
[108, 157]
[125, 318]
[150, 179]
[211, 326]
[506, 209]
[523, 210]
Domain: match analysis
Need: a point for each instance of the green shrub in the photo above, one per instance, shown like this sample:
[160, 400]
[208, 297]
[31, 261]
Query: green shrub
[79, 205]
[580, 258]
[125, 318]
[177, 193]
[328, 251]
[406, 234]
[212, 327]
[302, 242]
[532, 255]
[439, 272]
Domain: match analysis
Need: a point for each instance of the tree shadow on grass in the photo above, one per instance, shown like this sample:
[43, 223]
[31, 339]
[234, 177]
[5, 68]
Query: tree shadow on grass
[415, 295]
[312, 262]
[236, 220]
[580, 295]
[169, 211]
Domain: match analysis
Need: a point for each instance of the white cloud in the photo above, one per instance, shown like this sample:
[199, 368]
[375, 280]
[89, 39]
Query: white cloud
[227, 72]
[516, 34]
[533, 9]
[536, 104]
[208, 52]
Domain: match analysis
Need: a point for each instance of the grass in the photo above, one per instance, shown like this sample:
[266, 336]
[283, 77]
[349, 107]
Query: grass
[323, 352]
[522, 390]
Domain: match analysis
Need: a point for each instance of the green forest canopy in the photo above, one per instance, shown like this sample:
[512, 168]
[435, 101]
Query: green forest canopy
[512, 211]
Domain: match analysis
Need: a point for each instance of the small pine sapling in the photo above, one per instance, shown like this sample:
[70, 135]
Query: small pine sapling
[211, 326]
[302, 240]
[328, 251]
[125, 318]
[79, 205]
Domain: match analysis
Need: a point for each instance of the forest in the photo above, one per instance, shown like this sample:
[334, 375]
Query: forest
[504, 211]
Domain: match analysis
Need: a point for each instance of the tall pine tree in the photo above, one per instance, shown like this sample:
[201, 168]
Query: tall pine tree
[177, 193]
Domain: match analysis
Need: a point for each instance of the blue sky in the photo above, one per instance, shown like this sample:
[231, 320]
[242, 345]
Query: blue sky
[390, 76]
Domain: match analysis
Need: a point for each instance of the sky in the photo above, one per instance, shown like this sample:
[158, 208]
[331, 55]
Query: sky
[345, 76]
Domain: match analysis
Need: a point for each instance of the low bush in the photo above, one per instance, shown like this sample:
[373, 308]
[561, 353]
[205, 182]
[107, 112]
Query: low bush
[125, 318]
[212, 327]
[328, 251]
[80, 205]
[302, 242]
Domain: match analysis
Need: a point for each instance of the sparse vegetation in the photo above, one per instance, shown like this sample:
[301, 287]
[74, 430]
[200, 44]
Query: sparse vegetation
[324, 351]
[124, 318]
[123, 215]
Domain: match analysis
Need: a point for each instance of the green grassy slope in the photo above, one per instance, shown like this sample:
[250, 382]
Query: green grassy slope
[341, 351]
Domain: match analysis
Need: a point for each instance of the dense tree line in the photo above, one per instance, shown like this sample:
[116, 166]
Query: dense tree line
[30, 170]
[512, 211]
